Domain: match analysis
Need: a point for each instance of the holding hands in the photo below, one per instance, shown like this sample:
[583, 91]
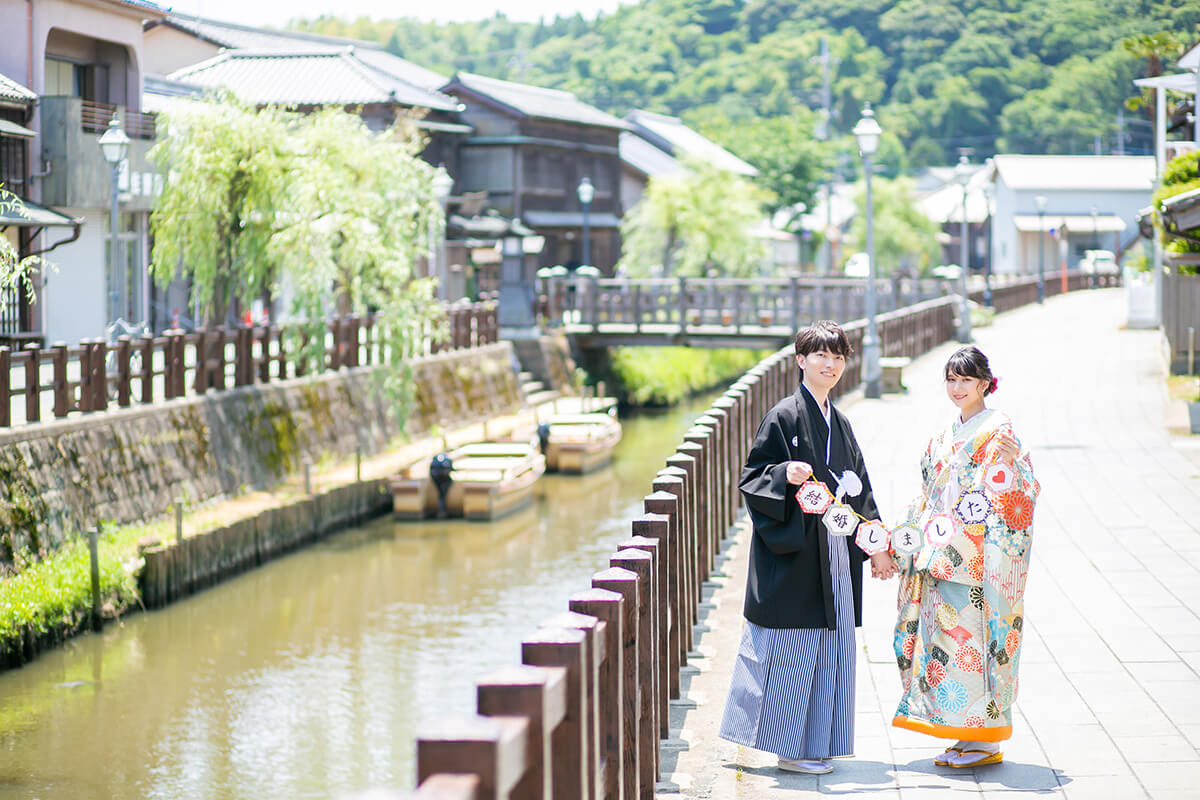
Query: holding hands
[798, 472]
[882, 566]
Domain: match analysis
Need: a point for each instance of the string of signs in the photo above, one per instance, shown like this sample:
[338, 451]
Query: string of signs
[874, 537]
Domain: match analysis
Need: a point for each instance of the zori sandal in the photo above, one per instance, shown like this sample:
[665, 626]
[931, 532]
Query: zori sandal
[986, 757]
[944, 759]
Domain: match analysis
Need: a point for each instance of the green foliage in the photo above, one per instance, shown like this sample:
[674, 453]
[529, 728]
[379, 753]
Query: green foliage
[941, 73]
[904, 237]
[1181, 174]
[53, 597]
[268, 200]
[699, 224]
[790, 161]
[662, 376]
[14, 270]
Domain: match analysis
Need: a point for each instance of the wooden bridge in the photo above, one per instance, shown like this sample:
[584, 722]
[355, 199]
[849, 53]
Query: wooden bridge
[755, 313]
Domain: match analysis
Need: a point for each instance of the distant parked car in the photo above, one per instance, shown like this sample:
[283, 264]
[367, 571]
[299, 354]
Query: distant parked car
[1098, 262]
[948, 271]
[858, 265]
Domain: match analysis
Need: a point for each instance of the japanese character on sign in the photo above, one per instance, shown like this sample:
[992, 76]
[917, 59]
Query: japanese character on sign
[872, 537]
[973, 507]
[840, 519]
[906, 539]
[939, 530]
[998, 478]
[813, 497]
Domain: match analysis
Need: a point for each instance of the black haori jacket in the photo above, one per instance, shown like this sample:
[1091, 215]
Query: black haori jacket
[789, 584]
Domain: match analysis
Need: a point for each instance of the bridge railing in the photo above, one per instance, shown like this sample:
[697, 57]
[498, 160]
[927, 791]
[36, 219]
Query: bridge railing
[60, 380]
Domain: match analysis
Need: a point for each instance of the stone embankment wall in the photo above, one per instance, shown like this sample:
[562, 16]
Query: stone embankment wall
[57, 479]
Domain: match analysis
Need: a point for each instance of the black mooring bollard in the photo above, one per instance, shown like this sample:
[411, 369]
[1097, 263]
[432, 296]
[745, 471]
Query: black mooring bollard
[93, 537]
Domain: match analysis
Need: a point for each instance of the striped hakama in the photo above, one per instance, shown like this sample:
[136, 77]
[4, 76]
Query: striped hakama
[792, 692]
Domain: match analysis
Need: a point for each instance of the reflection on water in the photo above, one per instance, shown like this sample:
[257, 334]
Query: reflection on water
[310, 675]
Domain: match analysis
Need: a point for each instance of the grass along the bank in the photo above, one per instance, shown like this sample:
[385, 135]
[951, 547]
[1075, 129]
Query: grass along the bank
[663, 376]
[53, 598]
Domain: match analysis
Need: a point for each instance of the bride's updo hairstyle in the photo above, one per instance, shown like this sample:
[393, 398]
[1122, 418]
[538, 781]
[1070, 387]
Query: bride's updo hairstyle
[970, 362]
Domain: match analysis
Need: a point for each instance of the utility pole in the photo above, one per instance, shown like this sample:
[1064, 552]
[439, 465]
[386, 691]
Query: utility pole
[1120, 131]
[824, 133]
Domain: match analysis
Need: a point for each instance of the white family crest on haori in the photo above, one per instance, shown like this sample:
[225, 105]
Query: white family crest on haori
[973, 507]
[813, 497]
[872, 537]
[999, 478]
[906, 539]
[939, 530]
[795, 441]
[840, 519]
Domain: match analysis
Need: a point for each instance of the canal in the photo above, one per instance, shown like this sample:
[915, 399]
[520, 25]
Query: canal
[310, 676]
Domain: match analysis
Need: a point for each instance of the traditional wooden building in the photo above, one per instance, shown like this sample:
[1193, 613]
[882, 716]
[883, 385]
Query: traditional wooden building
[530, 150]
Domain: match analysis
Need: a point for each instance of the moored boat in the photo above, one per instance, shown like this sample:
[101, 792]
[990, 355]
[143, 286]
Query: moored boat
[579, 443]
[480, 481]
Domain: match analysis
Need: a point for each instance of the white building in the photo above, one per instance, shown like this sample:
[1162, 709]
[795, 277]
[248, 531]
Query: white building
[1087, 202]
[83, 58]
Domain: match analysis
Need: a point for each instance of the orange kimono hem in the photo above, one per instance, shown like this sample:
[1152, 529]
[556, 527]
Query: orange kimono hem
[951, 732]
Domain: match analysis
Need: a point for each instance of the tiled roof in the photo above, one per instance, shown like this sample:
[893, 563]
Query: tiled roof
[534, 101]
[143, 4]
[646, 158]
[314, 75]
[671, 135]
[14, 92]
[1104, 173]
[246, 37]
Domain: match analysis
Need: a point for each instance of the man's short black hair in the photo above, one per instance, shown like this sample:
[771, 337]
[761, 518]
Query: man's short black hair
[824, 335]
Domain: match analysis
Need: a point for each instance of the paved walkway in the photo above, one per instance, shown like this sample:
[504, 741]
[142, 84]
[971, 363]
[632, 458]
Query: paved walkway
[1110, 675]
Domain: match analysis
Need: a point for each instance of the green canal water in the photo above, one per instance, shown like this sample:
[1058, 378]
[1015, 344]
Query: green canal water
[310, 676]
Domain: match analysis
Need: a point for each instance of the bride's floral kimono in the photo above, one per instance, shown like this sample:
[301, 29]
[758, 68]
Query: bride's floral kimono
[961, 615]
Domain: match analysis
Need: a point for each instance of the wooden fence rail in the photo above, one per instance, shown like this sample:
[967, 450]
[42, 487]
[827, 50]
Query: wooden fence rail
[95, 375]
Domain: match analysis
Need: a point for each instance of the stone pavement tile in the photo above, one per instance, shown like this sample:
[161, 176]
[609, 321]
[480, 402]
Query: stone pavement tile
[852, 775]
[1134, 723]
[1155, 671]
[938, 793]
[1156, 748]
[1075, 653]
[1191, 659]
[1174, 620]
[1191, 732]
[1168, 775]
[1108, 787]
[1109, 691]
[1180, 700]
[1016, 774]
[1078, 750]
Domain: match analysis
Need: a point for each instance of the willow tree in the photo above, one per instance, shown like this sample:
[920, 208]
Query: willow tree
[15, 271]
[697, 223]
[314, 208]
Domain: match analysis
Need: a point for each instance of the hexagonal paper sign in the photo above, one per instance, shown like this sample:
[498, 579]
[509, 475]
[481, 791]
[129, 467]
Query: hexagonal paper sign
[973, 507]
[813, 497]
[906, 539]
[840, 519]
[998, 478]
[939, 530]
[872, 537]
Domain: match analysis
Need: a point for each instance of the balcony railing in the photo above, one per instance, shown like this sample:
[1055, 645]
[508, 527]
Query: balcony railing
[96, 116]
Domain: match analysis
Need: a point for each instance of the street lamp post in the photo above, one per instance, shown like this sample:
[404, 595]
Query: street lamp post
[963, 172]
[114, 144]
[586, 192]
[867, 132]
[443, 183]
[1040, 202]
[987, 266]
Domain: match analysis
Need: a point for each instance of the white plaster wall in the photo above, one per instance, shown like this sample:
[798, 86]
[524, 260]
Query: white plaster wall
[73, 301]
[633, 185]
[167, 50]
[1017, 252]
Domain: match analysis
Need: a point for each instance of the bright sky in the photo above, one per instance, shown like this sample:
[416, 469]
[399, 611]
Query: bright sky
[277, 12]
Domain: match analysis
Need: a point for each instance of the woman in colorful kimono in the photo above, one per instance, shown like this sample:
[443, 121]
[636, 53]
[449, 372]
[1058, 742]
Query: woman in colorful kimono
[964, 556]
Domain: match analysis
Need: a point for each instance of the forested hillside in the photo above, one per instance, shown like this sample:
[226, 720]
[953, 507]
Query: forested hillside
[994, 75]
